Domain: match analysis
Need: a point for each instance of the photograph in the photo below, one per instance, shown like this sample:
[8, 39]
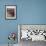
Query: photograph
[10, 11]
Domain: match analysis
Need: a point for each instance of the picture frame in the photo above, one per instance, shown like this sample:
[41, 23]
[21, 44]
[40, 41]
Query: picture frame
[10, 12]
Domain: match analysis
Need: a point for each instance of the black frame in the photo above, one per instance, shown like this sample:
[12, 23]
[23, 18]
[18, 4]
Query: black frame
[15, 12]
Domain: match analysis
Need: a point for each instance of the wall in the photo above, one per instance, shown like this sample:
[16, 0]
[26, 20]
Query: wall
[33, 12]
[28, 12]
[6, 26]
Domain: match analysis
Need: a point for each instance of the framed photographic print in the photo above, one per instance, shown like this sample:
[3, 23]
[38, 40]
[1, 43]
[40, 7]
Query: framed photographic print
[10, 11]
